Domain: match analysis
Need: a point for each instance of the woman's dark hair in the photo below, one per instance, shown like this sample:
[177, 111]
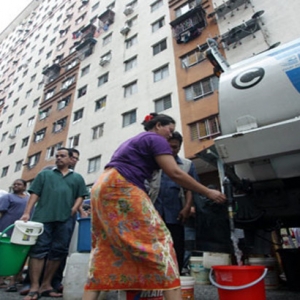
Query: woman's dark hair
[153, 118]
[22, 180]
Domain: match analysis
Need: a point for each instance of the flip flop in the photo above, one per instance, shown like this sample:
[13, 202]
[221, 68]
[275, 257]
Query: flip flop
[12, 288]
[34, 295]
[48, 293]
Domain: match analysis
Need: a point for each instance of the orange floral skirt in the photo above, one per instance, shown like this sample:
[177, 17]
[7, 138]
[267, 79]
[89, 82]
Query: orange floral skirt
[132, 248]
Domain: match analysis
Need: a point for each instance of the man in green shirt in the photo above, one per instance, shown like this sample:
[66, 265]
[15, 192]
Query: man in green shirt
[55, 195]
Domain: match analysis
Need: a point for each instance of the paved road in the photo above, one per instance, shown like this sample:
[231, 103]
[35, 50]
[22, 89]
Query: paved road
[202, 292]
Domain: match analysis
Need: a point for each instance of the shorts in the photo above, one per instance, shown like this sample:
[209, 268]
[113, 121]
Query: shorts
[54, 242]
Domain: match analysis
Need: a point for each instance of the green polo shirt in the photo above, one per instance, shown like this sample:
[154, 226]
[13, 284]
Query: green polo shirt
[57, 194]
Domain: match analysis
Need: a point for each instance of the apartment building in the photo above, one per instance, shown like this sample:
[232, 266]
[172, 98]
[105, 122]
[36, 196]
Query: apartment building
[241, 29]
[84, 74]
[93, 70]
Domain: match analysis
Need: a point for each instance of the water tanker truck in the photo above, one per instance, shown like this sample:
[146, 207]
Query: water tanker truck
[259, 110]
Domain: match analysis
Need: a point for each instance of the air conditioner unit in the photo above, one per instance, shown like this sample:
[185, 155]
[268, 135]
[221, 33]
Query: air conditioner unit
[125, 30]
[12, 136]
[104, 60]
[128, 10]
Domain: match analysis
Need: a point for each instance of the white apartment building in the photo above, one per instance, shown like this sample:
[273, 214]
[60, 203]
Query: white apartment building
[129, 74]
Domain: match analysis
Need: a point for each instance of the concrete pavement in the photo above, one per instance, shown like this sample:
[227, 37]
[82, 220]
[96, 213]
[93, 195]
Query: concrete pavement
[202, 292]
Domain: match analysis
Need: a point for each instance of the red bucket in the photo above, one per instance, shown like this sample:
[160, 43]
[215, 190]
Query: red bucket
[239, 282]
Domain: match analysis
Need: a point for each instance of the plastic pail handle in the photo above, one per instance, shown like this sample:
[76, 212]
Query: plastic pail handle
[30, 234]
[234, 288]
[6, 229]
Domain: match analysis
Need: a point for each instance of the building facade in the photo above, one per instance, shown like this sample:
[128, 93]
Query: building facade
[84, 74]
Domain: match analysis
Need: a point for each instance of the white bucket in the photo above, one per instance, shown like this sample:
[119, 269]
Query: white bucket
[187, 287]
[198, 271]
[272, 277]
[140, 295]
[215, 259]
[26, 233]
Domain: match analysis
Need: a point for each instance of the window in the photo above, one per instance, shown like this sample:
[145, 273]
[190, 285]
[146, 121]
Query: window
[20, 87]
[37, 64]
[10, 94]
[52, 150]
[50, 93]
[61, 45]
[33, 160]
[130, 89]
[97, 131]
[45, 37]
[41, 50]
[5, 109]
[78, 115]
[4, 135]
[4, 171]
[52, 41]
[72, 64]
[100, 103]
[82, 91]
[40, 85]
[159, 47]
[163, 103]
[129, 118]
[156, 5]
[80, 19]
[22, 111]
[131, 41]
[130, 63]
[1, 123]
[95, 6]
[132, 21]
[205, 129]
[35, 102]
[65, 84]
[161, 73]
[43, 114]
[18, 166]
[94, 164]
[107, 39]
[74, 141]
[32, 78]
[192, 58]
[185, 8]
[28, 94]
[85, 70]
[11, 148]
[200, 89]
[158, 24]
[48, 55]
[59, 125]
[17, 129]
[63, 103]
[102, 79]
[25, 142]
[9, 119]
[30, 122]
[39, 135]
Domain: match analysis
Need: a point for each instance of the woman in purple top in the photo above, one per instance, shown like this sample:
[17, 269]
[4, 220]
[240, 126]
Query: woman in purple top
[131, 247]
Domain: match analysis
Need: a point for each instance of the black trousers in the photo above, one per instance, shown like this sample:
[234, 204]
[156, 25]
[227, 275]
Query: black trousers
[177, 233]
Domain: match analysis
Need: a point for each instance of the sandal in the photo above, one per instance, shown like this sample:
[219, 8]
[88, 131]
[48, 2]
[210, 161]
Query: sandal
[12, 288]
[34, 295]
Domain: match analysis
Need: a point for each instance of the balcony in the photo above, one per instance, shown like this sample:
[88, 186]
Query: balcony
[230, 6]
[88, 32]
[107, 18]
[236, 34]
[85, 48]
[51, 73]
[189, 25]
